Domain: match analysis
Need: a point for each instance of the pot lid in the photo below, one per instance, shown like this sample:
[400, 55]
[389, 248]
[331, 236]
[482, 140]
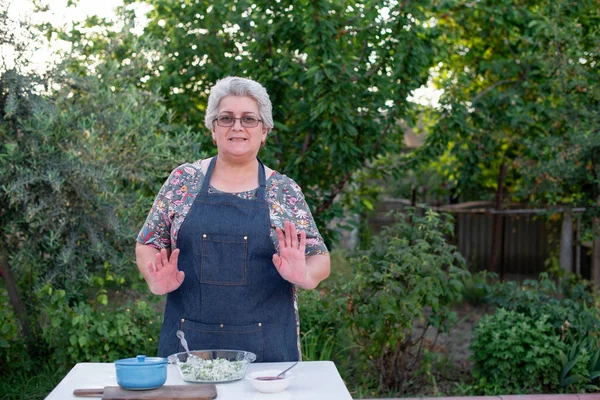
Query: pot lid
[141, 360]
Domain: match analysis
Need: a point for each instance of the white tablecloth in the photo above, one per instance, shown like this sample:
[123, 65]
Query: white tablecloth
[313, 380]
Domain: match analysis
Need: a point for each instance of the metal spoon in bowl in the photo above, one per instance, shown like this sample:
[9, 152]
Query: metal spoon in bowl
[274, 378]
[181, 337]
[192, 358]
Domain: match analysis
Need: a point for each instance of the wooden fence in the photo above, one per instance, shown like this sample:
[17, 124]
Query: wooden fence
[528, 241]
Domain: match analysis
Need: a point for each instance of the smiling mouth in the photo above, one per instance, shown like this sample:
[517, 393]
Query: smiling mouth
[237, 139]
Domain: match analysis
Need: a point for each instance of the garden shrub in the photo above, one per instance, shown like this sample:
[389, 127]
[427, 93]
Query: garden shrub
[581, 366]
[536, 298]
[411, 273]
[12, 346]
[516, 353]
[80, 165]
[571, 318]
[82, 332]
[322, 335]
[478, 288]
[319, 329]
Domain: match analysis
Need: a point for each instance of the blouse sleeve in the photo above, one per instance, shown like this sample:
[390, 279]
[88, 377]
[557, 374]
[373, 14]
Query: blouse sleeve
[156, 231]
[287, 202]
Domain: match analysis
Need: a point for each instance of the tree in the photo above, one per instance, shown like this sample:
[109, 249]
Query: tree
[338, 74]
[78, 172]
[520, 94]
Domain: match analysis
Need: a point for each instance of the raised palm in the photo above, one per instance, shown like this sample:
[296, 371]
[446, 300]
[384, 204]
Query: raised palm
[165, 277]
[291, 260]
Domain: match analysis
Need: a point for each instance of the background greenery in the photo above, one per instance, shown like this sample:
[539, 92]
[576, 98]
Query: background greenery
[85, 148]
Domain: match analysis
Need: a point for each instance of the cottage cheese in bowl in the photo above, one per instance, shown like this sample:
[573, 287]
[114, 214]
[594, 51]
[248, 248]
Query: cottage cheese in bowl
[212, 366]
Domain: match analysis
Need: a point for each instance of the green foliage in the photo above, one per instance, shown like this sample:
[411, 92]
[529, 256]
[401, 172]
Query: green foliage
[410, 274]
[81, 163]
[34, 383]
[520, 83]
[8, 325]
[478, 289]
[318, 327]
[514, 353]
[542, 298]
[322, 335]
[57, 199]
[12, 346]
[83, 153]
[581, 366]
[317, 346]
[78, 332]
[570, 317]
[338, 75]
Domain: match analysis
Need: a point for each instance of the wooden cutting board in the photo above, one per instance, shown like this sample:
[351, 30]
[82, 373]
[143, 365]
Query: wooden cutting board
[166, 392]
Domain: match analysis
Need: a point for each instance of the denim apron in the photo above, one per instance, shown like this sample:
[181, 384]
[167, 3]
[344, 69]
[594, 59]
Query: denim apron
[232, 296]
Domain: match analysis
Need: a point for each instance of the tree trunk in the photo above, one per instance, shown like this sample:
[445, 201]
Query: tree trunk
[578, 247]
[566, 243]
[15, 299]
[498, 227]
[595, 275]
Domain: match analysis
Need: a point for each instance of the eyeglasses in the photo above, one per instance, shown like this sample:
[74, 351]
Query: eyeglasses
[247, 121]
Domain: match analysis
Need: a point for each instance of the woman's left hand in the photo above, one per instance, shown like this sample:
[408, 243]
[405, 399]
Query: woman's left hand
[291, 260]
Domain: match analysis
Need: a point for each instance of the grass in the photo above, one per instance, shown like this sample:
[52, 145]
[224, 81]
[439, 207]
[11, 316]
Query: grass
[30, 385]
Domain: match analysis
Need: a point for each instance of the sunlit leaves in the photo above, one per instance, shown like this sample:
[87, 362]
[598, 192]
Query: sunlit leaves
[520, 84]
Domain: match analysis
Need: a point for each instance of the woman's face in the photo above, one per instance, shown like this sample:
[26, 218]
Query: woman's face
[237, 140]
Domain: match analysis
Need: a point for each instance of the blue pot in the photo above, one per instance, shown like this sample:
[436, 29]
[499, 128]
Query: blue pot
[141, 373]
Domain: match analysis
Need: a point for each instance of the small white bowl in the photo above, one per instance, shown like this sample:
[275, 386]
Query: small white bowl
[273, 386]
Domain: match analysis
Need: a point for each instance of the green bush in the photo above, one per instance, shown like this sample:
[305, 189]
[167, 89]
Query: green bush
[581, 366]
[478, 288]
[8, 324]
[81, 332]
[516, 353]
[571, 313]
[535, 298]
[322, 335]
[571, 308]
[318, 326]
[80, 165]
[411, 274]
[12, 346]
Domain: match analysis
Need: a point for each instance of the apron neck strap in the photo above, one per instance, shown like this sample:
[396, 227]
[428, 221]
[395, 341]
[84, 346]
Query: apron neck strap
[260, 193]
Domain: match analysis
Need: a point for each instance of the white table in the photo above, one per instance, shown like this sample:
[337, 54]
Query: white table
[313, 380]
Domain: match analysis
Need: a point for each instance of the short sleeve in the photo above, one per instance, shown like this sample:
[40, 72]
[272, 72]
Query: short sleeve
[287, 202]
[157, 230]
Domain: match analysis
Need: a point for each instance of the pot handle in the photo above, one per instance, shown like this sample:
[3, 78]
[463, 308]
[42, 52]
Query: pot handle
[88, 392]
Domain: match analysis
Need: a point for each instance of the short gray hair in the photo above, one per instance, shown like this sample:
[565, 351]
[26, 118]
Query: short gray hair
[236, 86]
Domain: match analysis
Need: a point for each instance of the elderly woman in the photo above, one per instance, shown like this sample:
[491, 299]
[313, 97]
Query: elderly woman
[221, 239]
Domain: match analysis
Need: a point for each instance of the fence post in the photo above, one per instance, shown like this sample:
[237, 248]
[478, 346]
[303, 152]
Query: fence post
[566, 242]
[498, 227]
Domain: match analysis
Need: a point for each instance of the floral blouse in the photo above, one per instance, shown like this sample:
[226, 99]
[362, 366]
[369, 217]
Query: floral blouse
[175, 199]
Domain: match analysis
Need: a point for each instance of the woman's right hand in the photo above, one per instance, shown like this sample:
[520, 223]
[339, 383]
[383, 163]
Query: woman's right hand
[164, 275]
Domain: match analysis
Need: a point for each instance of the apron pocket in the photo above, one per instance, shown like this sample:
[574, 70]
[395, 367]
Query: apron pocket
[223, 259]
[223, 337]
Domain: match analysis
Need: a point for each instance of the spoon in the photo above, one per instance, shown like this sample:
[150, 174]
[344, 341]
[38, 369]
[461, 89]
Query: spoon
[279, 376]
[181, 337]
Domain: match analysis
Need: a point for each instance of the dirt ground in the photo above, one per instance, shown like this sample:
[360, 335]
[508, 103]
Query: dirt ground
[456, 343]
[453, 350]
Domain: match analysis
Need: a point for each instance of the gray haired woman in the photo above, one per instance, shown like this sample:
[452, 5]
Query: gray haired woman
[228, 239]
